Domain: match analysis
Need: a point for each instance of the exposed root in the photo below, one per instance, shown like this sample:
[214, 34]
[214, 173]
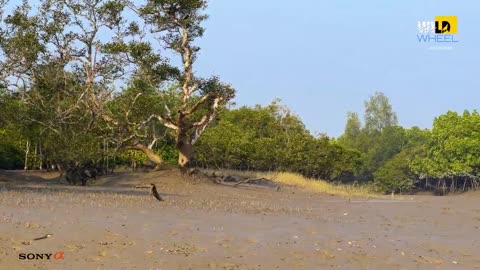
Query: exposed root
[236, 180]
[192, 172]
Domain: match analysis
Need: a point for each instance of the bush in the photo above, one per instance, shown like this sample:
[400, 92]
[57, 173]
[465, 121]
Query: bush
[10, 157]
[395, 175]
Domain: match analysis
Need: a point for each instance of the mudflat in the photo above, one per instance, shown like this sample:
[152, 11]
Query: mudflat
[112, 225]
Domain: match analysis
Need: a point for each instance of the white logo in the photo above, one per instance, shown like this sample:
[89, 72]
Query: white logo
[426, 27]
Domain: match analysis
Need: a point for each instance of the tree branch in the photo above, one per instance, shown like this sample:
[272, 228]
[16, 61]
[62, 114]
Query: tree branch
[199, 103]
[163, 120]
[201, 125]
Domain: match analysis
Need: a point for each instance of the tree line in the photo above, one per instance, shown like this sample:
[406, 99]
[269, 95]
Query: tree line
[444, 158]
[375, 151]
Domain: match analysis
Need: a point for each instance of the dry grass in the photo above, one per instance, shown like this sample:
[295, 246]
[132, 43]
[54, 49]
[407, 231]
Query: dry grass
[321, 186]
[297, 180]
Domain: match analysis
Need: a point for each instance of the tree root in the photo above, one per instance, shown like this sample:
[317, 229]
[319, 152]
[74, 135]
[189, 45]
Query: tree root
[235, 180]
[193, 171]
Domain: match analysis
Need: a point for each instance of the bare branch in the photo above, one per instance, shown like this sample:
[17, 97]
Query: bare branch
[200, 102]
[152, 144]
[131, 106]
[163, 120]
[201, 125]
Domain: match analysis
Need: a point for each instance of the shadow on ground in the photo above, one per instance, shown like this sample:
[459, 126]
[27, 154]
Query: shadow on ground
[50, 182]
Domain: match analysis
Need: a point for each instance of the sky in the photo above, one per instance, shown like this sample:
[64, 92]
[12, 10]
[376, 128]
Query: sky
[325, 58]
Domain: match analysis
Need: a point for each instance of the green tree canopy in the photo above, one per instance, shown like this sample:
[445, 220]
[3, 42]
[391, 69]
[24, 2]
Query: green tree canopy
[379, 113]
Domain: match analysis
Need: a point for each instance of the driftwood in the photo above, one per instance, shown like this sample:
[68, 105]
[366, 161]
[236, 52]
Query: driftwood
[48, 235]
[236, 180]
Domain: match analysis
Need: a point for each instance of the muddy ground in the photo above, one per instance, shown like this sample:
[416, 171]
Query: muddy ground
[200, 225]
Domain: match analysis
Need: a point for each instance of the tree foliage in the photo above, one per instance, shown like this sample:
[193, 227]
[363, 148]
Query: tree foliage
[65, 60]
[272, 138]
[452, 147]
[379, 113]
[387, 150]
[395, 175]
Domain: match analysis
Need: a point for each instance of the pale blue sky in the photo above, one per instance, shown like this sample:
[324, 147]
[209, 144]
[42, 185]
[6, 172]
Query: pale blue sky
[324, 58]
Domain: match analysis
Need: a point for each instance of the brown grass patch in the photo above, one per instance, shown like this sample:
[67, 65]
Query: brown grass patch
[313, 185]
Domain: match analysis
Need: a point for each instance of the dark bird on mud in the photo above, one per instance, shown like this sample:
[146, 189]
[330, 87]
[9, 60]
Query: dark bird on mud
[154, 191]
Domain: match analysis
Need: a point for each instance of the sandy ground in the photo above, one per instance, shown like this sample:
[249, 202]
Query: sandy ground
[111, 225]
